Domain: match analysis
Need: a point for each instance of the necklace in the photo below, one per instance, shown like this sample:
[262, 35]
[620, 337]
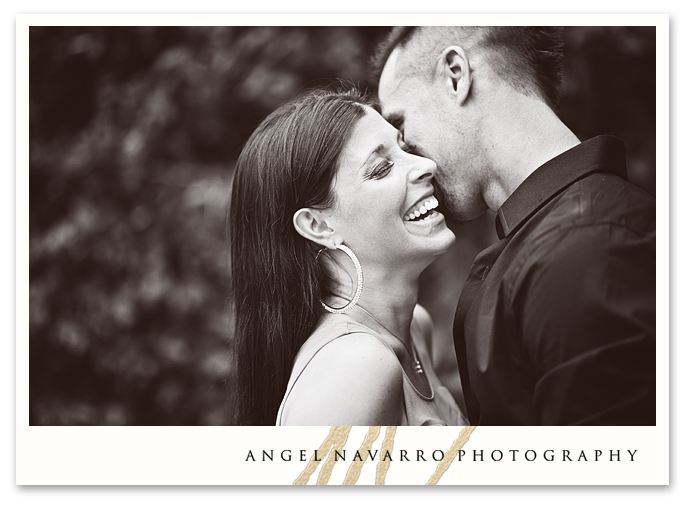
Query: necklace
[419, 367]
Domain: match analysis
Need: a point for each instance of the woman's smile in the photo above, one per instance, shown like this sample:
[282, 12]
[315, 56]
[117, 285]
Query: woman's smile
[386, 207]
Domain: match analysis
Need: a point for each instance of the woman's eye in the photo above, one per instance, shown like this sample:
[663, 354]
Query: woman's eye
[381, 170]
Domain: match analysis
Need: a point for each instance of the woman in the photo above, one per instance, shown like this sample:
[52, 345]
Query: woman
[332, 219]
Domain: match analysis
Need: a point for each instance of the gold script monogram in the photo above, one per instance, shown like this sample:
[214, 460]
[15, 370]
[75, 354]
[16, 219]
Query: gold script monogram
[337, 438]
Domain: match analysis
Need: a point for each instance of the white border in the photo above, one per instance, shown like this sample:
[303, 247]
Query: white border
[174, 455]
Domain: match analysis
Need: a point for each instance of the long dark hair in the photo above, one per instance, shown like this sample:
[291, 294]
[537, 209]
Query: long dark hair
[288, 163]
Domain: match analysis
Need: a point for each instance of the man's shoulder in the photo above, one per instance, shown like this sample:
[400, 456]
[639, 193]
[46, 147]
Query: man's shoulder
[596, 219]
[608, 185]
[596, 200]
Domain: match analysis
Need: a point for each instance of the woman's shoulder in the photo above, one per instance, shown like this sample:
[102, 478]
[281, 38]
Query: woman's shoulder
[352, 379]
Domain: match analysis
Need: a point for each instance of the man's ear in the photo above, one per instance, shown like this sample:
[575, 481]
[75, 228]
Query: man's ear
[456, 72]
[312, 224]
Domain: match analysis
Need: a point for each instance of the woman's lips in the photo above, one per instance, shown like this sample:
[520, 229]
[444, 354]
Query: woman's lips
[424, 208]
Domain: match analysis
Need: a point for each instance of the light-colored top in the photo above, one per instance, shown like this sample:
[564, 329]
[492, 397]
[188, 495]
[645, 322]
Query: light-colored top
[436, 408]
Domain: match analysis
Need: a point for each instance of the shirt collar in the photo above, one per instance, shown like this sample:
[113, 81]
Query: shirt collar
[604, 153]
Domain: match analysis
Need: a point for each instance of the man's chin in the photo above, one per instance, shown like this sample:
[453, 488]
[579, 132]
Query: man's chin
[454, 214]
[450, 212]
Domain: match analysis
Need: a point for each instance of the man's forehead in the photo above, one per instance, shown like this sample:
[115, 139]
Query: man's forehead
[390, 86]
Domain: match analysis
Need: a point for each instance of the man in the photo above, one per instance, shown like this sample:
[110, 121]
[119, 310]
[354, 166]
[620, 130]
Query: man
[556, 321]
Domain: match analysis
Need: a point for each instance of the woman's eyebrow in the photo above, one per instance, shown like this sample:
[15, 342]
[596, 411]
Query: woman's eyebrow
[377, 151]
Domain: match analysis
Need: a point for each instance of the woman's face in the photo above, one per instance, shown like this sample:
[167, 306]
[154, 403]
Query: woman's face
[385, 208]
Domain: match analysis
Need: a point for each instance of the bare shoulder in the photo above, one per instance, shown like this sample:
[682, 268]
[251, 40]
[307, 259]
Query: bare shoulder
[353, 380]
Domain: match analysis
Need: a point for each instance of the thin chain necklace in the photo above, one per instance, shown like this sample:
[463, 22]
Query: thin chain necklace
[418, 367]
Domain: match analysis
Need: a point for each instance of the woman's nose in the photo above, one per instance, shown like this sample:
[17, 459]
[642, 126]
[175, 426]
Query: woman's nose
[423, 169]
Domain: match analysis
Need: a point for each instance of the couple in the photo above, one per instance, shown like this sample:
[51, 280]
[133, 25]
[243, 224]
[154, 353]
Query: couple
[338, 204]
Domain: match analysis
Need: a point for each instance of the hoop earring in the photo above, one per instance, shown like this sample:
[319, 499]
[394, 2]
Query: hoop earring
[359, 288]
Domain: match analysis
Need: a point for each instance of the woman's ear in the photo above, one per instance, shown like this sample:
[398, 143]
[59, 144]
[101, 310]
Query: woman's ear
[312, 224]
[456, 72]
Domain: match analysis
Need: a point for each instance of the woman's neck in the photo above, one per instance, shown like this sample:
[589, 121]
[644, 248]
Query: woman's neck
[388, 299]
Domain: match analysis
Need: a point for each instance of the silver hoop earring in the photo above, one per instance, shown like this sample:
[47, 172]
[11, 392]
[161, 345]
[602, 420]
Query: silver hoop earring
[359, 288]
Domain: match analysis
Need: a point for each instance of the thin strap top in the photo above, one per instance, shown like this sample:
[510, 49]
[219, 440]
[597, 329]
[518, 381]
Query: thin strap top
[436, 409]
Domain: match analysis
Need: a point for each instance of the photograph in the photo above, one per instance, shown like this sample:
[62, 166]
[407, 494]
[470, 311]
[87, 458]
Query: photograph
[319, 237]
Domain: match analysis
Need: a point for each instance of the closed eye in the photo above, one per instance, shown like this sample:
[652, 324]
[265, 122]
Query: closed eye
[409, 148]
[405, 146]
[381, 170]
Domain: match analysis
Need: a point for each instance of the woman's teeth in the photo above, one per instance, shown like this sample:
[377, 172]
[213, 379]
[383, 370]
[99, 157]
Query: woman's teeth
[422, 210]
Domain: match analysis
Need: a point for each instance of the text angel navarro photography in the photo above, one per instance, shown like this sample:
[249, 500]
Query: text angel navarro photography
[548, 455]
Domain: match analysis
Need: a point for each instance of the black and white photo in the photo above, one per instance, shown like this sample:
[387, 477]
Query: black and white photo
[321, 237]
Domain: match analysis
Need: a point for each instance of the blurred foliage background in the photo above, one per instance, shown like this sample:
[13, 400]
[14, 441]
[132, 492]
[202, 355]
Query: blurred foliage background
[133, 136]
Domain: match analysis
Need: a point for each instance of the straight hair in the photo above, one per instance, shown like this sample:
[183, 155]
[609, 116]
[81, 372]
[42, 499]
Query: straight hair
[289, 162]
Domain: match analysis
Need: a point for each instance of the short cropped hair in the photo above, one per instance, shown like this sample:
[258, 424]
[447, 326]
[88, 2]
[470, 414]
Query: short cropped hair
[528, 58]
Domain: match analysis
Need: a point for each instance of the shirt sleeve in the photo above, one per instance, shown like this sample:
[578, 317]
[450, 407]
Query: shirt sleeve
[584, 303]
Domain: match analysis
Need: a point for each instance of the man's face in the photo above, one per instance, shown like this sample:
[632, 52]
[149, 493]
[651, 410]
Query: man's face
[431, 123]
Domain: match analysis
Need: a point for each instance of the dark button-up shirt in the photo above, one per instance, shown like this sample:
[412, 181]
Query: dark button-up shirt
[556, 322]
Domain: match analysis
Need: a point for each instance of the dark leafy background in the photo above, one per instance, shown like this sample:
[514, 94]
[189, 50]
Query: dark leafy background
[134, 132]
